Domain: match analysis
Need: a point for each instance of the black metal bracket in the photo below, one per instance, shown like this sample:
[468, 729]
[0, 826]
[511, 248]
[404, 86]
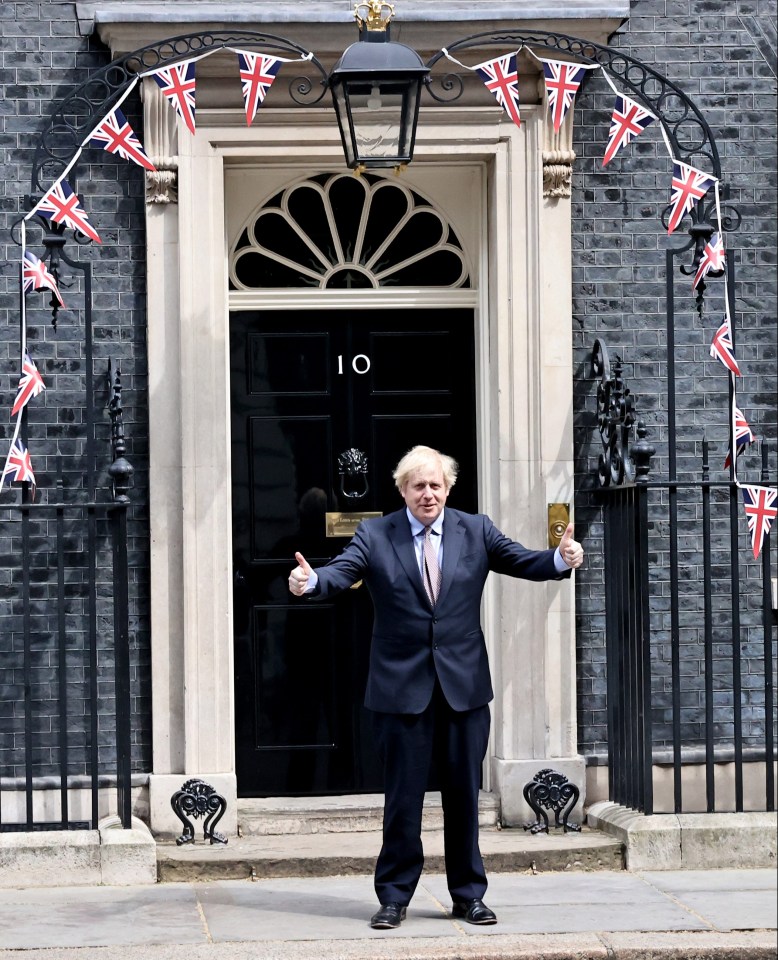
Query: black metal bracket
[552, 791]
[199, 799]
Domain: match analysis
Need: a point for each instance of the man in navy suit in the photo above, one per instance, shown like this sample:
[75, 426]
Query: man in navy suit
[428, 683]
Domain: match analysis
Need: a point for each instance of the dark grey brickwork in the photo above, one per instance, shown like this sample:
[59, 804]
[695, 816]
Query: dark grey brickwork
[723, 55]
[43, 59]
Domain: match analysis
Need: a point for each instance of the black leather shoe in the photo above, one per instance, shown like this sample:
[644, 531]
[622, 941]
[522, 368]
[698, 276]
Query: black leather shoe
[474, 911]
[389, 916]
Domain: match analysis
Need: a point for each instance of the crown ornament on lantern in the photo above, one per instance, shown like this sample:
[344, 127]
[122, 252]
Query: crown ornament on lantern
[373, 14]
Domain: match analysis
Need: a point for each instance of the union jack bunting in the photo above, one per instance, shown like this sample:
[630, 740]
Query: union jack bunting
[18, 467]
[760, 513]
[743, 436]
[629, 119]
[501, 77]
[61, 205]
[562, 83]
[117, 136]
[30, 385]
[712, 258]
[36, 276]
[689, 185]
[257, 73]
[177, 83]
[722, 348]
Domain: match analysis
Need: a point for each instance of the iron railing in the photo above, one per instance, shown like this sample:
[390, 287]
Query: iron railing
[65, 663]
[678, 617]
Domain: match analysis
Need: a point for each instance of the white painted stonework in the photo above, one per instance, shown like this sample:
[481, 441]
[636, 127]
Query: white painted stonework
[486, 177]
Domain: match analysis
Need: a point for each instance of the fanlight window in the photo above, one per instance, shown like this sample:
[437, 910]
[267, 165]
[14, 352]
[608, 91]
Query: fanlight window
[340, 231]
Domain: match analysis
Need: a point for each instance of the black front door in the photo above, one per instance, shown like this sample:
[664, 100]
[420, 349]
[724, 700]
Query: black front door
[306, 387]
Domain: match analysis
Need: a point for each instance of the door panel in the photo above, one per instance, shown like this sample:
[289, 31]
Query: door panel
[305, 388]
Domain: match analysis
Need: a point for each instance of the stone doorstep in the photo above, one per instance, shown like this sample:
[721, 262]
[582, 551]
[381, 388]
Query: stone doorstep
[689, 841]
[109, 855]
[342, 854]
[276, 816]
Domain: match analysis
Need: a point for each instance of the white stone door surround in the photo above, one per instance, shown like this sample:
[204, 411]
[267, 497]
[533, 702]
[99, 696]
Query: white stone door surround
[521, 256]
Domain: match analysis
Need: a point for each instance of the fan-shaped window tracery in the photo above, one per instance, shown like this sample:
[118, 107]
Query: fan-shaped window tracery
[337, 231]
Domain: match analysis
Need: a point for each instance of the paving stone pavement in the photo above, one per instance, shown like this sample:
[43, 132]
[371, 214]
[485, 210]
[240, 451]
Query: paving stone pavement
[700, 914]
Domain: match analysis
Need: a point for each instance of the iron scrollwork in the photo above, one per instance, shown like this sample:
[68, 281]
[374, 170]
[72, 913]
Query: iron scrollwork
[198, 799]
[549, 790]
[615, 417]
[619, 463]
[353, 463]
[77, 114]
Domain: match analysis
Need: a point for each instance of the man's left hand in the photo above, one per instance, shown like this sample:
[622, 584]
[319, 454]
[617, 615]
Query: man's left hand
[570, 550]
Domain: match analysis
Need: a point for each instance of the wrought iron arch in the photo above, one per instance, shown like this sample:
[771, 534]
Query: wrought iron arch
[648, 84]
[76, 115]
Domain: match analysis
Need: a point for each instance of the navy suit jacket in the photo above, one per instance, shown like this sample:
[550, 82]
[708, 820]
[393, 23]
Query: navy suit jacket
[412, 641]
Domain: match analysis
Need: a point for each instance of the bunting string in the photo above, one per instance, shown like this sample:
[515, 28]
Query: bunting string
[256, 72]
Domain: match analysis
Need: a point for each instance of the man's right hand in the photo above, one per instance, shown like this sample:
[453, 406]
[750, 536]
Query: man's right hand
[298, 578]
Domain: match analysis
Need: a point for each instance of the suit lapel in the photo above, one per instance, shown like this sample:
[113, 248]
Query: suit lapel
[453, 538]
[402, 541]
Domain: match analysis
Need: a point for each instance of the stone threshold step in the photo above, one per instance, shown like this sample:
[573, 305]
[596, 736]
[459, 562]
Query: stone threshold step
[339, 854]
[277, 816]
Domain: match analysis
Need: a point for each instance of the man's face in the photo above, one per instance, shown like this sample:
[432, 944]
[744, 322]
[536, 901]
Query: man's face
[425, 492]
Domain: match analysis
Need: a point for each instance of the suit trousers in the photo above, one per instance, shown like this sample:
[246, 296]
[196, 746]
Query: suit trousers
[408, 745]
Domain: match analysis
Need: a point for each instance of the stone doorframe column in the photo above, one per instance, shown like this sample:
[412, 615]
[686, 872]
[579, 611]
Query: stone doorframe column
[525, 437]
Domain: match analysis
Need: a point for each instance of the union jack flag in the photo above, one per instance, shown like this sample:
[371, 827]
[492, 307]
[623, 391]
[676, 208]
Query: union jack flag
[722, 348]
[36, 276]
[61, 205]
[689, 185]
[18, 466]
[562, 83]
[30, 385]
[117, 136]
[629, 119]
[177, 83]
[743, 436]
[501, 77]
[712, 258]
[760, 512]
[257, 73]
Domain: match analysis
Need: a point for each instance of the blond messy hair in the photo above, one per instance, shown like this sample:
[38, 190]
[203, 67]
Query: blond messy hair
[419, 457]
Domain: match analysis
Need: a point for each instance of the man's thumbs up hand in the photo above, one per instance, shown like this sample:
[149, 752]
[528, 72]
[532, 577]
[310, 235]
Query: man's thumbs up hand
[298, 578]
[570, 550]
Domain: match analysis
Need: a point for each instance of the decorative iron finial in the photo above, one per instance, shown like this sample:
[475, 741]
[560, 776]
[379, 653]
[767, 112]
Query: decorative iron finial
[373, 14]
[121, 470]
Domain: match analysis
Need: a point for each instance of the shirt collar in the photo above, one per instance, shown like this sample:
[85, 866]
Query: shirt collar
[417, 526]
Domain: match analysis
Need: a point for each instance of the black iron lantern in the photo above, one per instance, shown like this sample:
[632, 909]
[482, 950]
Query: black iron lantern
[375, 90]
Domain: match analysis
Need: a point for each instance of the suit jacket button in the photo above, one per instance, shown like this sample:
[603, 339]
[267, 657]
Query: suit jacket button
[434, 619]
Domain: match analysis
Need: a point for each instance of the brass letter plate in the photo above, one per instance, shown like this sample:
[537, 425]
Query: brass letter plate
[344, 524]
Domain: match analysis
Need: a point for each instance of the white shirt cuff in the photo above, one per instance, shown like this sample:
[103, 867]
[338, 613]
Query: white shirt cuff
[559, 563]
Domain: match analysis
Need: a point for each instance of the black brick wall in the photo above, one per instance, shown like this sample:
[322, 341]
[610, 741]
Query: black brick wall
[43, 59]
[723, 56]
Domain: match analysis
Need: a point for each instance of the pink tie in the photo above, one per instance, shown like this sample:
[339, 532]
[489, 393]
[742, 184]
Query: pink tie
[431, 568]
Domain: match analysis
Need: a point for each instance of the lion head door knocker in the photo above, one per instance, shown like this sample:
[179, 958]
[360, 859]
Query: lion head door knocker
[352, 469]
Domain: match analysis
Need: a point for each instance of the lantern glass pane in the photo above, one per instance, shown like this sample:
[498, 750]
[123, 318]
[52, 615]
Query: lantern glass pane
[377, 112]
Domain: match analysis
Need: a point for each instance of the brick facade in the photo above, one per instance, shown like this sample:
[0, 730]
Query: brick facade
[723, 55]
[43, 59]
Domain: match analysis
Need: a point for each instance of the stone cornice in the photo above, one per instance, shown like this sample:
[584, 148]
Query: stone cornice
[327, 25]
